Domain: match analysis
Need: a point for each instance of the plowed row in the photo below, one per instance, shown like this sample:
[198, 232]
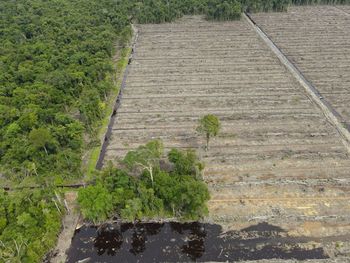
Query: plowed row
[317, 40]
[276, 159]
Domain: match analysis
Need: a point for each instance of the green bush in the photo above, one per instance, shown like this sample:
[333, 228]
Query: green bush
[132, 193]
[96, 202]
[29, 223]
[224, 10]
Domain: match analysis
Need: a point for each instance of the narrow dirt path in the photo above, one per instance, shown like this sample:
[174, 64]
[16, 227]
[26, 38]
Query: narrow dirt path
[69, 224]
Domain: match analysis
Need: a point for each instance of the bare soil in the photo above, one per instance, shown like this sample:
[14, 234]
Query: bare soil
[277, 158]
[317, 40]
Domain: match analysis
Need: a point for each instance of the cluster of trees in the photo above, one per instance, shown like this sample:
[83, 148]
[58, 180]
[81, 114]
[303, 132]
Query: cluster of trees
[29, 223]
[224, 10]
[148, 186]
[159, 11]
[265, 5]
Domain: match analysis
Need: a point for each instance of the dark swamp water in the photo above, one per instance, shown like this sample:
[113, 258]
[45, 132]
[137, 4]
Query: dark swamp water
[185, 242]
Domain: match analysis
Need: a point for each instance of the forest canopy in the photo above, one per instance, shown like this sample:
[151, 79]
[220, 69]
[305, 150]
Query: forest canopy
[55, 73]
[56, 70]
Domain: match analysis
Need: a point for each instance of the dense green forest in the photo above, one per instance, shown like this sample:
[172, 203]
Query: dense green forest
[56, 68]
[56, 71]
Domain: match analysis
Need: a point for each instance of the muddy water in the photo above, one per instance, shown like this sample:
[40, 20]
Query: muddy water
[176, 242]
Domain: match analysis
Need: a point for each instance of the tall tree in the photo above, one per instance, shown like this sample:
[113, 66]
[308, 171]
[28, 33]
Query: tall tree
[145, 157]
[210, 126]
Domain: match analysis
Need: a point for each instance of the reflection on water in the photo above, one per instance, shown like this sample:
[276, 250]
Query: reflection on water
[184, 242]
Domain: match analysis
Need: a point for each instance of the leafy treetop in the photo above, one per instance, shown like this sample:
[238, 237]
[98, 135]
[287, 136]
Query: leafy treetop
[209, 125]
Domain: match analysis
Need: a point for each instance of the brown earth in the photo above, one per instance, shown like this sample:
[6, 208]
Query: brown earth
[277, 158]
[317, 40]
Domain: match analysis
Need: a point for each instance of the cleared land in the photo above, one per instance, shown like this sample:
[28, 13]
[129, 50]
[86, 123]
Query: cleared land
[345, 8]
[317, 40]
[277, 158]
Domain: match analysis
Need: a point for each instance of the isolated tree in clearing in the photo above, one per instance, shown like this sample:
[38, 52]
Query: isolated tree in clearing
[209, 125]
